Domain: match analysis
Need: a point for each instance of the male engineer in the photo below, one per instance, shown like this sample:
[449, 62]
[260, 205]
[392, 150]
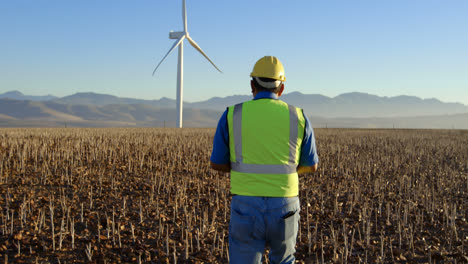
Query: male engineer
[264, 144]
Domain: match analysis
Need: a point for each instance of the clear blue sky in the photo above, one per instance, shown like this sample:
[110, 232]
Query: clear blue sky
[329, 47]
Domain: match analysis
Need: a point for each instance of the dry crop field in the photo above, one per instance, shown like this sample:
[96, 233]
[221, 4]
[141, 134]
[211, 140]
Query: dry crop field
[147, 195]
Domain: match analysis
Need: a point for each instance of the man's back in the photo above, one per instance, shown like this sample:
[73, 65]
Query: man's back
[265, 137]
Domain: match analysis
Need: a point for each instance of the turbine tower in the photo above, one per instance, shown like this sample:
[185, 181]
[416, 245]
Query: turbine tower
[180, 36]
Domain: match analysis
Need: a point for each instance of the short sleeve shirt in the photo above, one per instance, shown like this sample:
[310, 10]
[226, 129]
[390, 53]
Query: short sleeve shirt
[220, 153]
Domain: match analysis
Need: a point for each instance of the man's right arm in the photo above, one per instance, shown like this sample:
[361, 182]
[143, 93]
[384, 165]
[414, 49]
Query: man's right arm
[221, 167]
[220, 157]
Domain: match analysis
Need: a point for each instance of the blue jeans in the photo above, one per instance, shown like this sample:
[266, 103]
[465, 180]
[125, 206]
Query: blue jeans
[257, 222]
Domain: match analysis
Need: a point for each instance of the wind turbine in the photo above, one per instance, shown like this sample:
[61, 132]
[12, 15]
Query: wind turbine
[180, 36]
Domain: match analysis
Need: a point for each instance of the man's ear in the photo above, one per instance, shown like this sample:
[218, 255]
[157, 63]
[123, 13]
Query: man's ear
[281, 90]
[252, 85]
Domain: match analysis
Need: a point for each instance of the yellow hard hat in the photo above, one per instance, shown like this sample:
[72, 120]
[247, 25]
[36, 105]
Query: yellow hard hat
[269, 67]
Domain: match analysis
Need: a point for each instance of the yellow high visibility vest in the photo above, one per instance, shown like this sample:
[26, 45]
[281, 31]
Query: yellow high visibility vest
[265, 137]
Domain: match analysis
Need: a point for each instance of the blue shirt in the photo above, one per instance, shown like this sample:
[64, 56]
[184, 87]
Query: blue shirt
[220, 154]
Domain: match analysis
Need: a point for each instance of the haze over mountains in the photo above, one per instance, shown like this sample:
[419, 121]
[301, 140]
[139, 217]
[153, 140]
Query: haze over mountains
[345, 110]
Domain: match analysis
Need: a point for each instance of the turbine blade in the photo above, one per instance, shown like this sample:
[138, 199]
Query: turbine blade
[172, 48]
[184, 15]
[195, 45]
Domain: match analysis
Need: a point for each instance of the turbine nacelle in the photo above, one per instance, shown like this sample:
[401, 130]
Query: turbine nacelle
[176, 34]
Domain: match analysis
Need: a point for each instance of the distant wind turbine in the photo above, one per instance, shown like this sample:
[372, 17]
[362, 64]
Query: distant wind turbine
[180, 36]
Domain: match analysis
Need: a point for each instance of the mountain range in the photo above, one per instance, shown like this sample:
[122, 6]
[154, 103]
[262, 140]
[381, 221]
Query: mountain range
[345, 110]
[17, 95]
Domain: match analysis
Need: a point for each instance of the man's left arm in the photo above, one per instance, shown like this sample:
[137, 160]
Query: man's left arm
[308, 161]
[307, 169]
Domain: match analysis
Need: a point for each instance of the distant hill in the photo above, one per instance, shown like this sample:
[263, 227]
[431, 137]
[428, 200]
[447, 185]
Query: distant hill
[345, 105]
[357, 105]
[345, 110]
[360, 105]
[30, 113]
[105, 99]
[16, 95]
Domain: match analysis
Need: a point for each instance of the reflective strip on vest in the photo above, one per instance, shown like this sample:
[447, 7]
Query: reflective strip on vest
[265, 168]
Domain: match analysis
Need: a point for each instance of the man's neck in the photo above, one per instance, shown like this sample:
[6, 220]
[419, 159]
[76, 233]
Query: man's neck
[265, 94]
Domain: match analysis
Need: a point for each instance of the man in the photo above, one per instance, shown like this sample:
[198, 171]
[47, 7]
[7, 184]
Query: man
[264, 143]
